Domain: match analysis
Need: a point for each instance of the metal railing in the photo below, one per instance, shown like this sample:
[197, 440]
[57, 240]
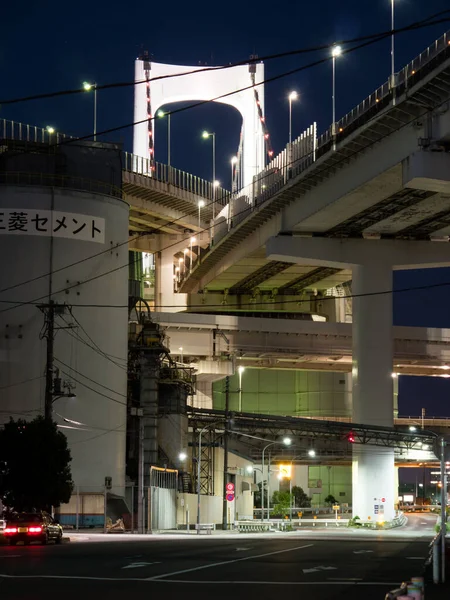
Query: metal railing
[59, 181]
[12, 130]
[406, 77]
[162, 173]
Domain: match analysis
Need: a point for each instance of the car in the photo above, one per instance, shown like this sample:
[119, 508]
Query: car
[32, 527]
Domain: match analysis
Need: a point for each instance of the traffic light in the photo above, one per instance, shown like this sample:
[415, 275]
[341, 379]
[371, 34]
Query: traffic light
[351, 437]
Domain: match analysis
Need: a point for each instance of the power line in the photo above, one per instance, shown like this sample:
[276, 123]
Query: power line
[90, 388]
[203, 230]
[387, 33]
[89, 379]
[78, 338]
[268, 80]
[416, 25]
[92, 341]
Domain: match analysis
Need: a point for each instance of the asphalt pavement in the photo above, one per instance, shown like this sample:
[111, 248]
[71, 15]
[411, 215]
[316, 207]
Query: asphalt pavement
[220, 567]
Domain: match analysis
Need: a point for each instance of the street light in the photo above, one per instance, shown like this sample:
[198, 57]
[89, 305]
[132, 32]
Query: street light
[161, 114]
[240, 371]
[193, 240]
[392, 43]
[182, 456]
[205, 136]
[88, 87]
[287, 442]
[199, 462]
[292, 96]
[200, 204]
[233, 162]
[336, 51]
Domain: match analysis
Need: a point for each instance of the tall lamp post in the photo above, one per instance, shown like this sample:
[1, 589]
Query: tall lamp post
[161, 114]
[199, 467]
[240, 371]
[392, 43]
[336, 51]
[287, 442]
[292, 97]
[233, 165]
[205, 136]
[88, 87]
[250, 469]
[312, 454]
[200, 204]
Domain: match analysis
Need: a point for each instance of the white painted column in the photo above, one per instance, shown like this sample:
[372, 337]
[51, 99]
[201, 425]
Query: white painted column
[166, 299]
[203, 397]
[373, 466]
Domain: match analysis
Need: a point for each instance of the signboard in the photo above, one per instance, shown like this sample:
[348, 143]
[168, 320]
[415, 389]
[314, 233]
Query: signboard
[47, 223]
[375, 508]
[285, 471]
[230, 497]
[230, 487]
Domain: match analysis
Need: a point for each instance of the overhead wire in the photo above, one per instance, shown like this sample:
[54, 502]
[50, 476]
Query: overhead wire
[249, 210]
[379, 37]
[90, 388]
[178, 242]
[427, 22]
[89, 379]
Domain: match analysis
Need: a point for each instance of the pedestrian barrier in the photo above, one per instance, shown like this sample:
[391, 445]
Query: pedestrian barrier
[208, 527]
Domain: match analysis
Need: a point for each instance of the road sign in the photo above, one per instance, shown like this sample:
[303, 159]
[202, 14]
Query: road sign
[230, 487]
[230, 497]
[383, 500]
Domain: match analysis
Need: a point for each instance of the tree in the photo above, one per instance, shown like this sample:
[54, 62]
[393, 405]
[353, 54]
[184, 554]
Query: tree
[281, 504]
[34, 465]
[330, 499]
[301, 500]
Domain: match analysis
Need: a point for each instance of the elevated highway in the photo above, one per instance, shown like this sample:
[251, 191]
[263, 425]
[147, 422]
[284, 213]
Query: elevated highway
[381, 172]
[289, 344]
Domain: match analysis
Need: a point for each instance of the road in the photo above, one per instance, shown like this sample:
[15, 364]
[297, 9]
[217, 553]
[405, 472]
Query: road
[219, 567]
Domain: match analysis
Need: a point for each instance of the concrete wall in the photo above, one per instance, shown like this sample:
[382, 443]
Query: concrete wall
[210, 509]
[243, 503]
[283, 392]
[335, 480]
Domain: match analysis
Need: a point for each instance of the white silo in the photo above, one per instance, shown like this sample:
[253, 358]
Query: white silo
[64, 230]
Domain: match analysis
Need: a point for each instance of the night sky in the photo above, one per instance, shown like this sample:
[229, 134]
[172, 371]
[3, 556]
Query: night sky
[49, 46]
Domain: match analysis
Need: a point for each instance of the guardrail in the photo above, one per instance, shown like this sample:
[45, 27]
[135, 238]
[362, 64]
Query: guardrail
[60, 181]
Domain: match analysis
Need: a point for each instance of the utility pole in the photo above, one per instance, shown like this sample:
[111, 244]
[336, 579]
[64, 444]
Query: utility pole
[50, 321]
[225, 455]
[50, 310]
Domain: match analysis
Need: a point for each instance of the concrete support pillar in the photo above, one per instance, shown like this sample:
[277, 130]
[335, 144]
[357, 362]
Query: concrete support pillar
[166, 298]
[372, 345]
[204, 394]
[373, 394]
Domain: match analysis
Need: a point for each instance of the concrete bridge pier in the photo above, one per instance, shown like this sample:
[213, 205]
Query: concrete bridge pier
[372, 263]
[373, 393]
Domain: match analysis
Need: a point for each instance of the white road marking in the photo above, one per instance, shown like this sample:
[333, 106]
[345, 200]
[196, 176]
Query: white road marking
[362, 551]
[318, 569]
[242, 549]
[184, 581]
[349, 579]
[138, 565]
[415, 557]
[229, 562]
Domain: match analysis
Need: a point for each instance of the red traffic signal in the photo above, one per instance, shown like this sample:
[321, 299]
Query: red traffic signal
[351, 437]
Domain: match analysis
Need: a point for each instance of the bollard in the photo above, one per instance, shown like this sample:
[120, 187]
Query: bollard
[414, 592]
[436, 562]
[419, 583]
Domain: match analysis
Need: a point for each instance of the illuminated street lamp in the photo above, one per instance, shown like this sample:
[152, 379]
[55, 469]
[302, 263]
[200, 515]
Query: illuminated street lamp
[292, 97]
[392, 42]
[201, 204]
[287, 442]
[88, 87]
[233, 164]
[336, 51]
[240, 371]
